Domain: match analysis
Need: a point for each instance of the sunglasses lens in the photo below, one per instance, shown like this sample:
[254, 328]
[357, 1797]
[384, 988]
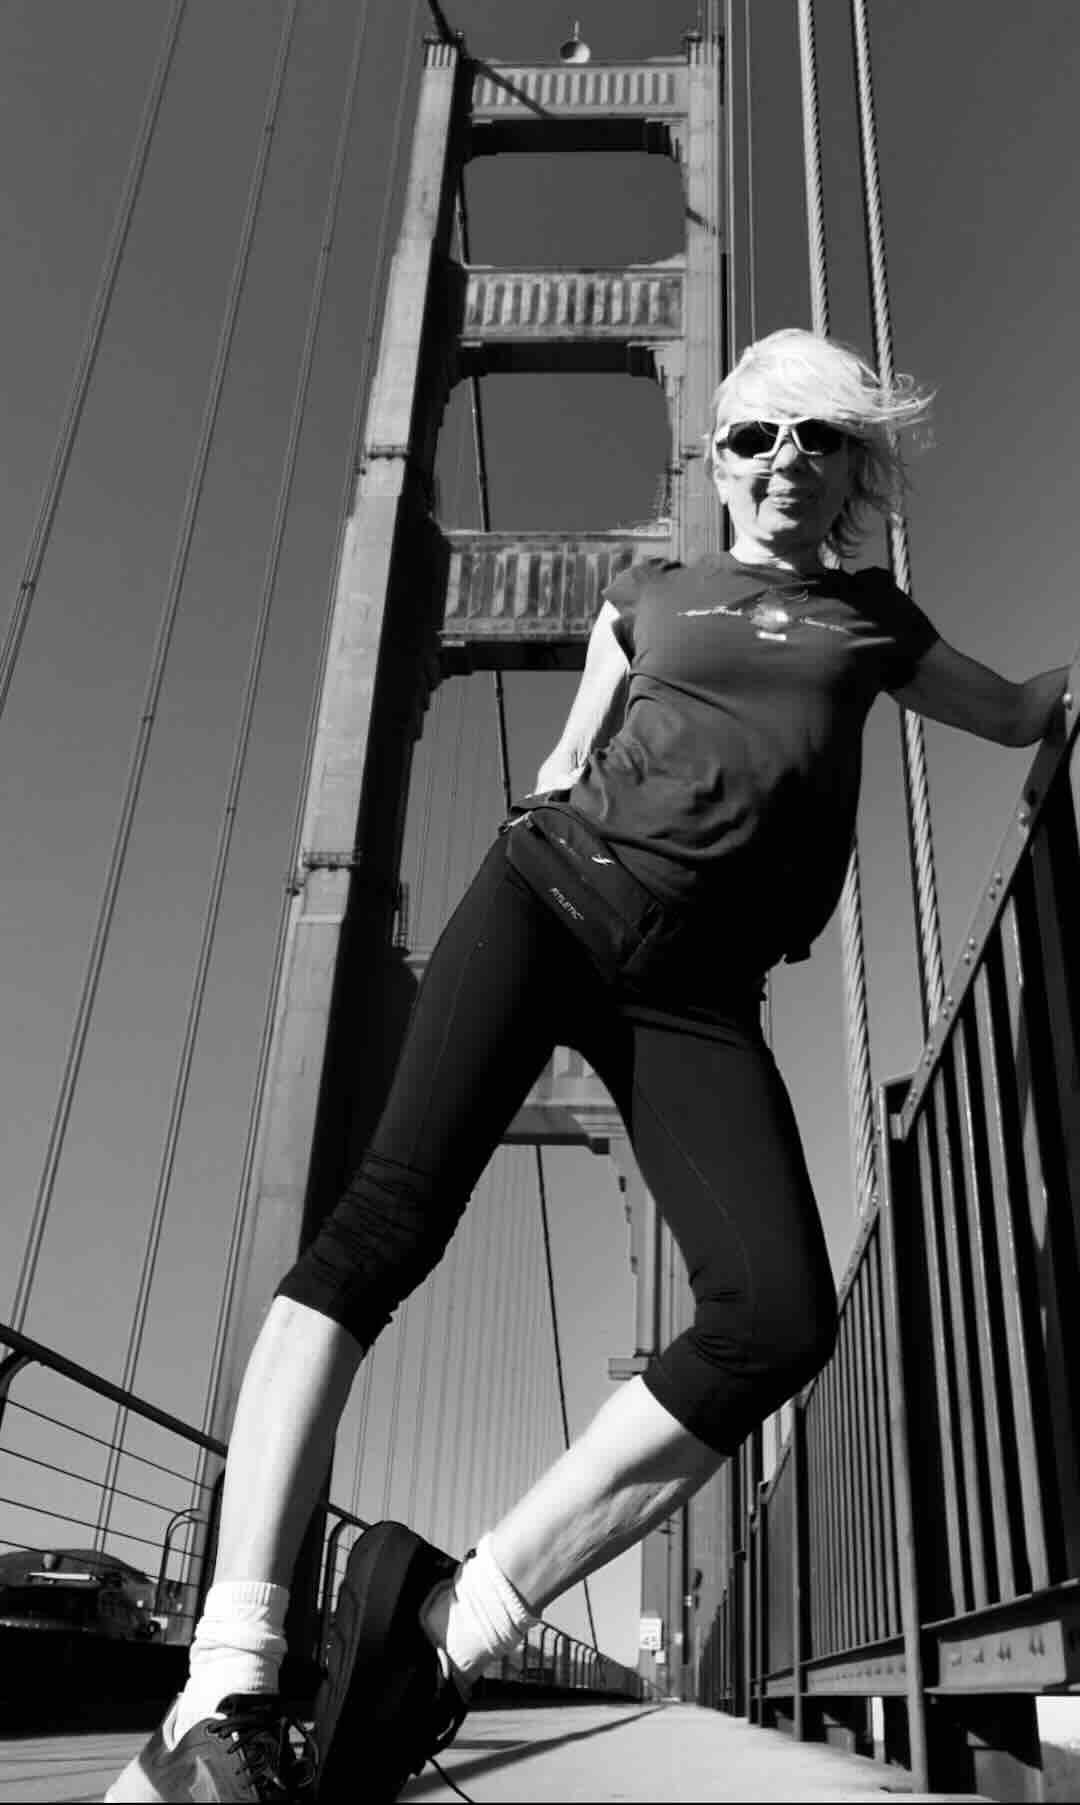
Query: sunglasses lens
[817, 438]
[753, 439]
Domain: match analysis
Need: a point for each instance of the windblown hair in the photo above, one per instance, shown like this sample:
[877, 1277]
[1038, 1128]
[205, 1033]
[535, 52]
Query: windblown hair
[795, 374]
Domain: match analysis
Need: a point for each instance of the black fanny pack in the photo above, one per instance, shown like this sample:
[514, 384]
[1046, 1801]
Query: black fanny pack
[619, 922]
[626, 930]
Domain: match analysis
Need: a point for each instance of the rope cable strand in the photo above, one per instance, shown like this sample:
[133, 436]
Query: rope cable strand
[751, 198]
[148, 710]
[931, 963]
[860, 1087]
[815, 191]
[50, 501]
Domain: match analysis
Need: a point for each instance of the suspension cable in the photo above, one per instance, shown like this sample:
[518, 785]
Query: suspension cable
[366, 1385]
[860, 1090]
[815, 203]
[505, 1320]
[427, 1309]
[238, 769]
[446, 32]
[397, 1385]
[729, 196]
[916, 781]
[468, 1317]
[557, 1345]
[449, 1286]
[148, 711]
[216, 1376]
[751, 198]
[487, 1279]
[50, 501]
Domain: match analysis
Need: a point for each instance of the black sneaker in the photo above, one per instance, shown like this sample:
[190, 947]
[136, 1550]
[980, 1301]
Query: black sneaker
[243, 1757]
[385, 1707]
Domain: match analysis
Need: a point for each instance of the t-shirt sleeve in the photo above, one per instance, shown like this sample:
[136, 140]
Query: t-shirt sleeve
[624, 592]
[911, 632]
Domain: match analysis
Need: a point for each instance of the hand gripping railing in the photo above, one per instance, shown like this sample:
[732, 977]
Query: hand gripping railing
[918, 1543]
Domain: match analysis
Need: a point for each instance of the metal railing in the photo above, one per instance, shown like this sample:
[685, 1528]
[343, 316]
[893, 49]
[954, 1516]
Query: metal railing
[164, 1522]
[918, 1543]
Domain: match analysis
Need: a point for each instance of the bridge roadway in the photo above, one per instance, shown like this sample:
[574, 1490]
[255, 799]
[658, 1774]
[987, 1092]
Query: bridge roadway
[589, 1752]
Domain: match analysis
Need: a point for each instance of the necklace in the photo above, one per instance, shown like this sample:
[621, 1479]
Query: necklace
[769, 613]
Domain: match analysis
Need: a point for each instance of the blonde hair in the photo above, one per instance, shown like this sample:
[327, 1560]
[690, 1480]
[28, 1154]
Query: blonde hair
[800, 375]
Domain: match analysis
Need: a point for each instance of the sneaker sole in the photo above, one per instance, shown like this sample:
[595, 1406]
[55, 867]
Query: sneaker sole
[379, 1579]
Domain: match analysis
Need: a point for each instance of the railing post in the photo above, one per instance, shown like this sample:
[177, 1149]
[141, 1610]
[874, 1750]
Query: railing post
[761, 1580]
[329, 1556]
[799, 1564]
[10, 1366]
[891, 1096]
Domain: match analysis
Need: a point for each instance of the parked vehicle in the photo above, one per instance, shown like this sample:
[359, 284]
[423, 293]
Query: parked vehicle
[76, 1589]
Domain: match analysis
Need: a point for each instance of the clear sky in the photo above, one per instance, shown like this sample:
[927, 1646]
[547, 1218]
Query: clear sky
[976, 111]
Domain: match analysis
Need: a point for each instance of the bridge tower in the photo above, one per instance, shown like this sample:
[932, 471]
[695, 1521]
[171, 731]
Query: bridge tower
[415, 603]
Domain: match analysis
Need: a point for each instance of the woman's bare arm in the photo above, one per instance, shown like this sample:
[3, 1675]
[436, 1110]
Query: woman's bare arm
[948, 686]
[597, 708]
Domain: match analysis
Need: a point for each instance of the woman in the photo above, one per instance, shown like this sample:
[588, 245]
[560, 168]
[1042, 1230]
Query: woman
[701, 806]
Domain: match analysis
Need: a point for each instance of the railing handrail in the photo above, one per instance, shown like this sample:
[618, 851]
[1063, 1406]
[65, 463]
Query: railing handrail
[41, 1355]
[36, 1352]
[1046, 767]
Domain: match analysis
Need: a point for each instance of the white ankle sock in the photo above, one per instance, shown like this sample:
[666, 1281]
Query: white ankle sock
[238, 1647]
[476, 1615]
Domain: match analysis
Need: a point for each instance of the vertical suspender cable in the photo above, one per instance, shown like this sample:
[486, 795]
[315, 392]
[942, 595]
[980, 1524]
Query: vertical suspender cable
[751, 199]
[931, 967]
[427, 1309]
[488, 1268]
[402, 1328]
[236, 1243]
[240, 750]
[730, 198]
[50, 501]
[557, 1345]
[363, 1413]
[751, 301]
[860, 1090]
[815, 204]
[449, 1284]
[470, 1261]
[148, 712]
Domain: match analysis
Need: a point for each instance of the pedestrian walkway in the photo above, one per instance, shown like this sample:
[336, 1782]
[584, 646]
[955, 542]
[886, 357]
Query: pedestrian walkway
[564, 1753]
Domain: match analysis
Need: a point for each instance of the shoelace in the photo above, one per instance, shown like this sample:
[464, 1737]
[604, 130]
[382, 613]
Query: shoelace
[446, 1780]
[260, 1735]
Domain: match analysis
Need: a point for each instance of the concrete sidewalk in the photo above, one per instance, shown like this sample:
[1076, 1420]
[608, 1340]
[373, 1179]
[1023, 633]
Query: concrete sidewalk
[591, 1753]
[597, 1753]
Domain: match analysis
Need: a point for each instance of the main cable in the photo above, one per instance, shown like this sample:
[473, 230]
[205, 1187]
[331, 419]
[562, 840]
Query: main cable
[50, 501]
[860, 1089]
[916, 780]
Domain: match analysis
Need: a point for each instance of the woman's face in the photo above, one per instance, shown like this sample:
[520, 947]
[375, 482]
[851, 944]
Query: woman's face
[782, 501]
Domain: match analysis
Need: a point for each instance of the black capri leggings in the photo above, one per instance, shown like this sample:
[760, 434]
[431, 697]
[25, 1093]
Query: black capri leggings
[707, 1115]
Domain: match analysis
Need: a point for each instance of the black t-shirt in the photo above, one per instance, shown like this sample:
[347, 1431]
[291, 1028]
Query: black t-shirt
[734, 778]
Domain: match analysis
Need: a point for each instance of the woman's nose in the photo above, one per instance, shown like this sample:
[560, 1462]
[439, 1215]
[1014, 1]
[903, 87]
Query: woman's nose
[787, 452]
